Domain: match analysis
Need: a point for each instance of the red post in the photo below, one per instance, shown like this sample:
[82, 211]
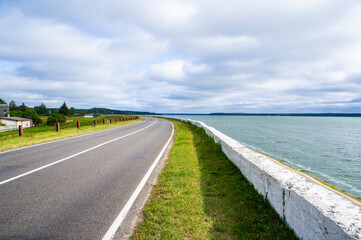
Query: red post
[95, 123]
[21, 132]
[111, 120]
[103, 120]
[78, 124]
[57, 126]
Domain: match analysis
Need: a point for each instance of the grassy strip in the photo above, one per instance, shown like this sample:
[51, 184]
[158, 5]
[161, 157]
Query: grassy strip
[202, 195]
[34, 137]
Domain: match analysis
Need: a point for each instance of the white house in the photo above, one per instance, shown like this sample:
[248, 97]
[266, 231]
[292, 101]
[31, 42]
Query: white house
[88, 115]
[15, 122]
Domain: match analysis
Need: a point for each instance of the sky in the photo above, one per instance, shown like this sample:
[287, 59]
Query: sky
[180, 56]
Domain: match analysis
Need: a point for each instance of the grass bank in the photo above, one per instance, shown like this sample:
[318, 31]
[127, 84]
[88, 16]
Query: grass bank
[202, 195]
[42, 134]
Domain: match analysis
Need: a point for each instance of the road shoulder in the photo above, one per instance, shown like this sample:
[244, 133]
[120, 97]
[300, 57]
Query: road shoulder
[135, 215]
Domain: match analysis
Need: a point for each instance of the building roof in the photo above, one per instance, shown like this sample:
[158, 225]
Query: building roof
[15, 118]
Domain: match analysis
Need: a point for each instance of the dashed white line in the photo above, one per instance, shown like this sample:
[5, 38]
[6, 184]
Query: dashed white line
[74, 155]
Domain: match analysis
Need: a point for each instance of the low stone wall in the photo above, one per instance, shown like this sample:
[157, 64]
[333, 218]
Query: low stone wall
[311, 209]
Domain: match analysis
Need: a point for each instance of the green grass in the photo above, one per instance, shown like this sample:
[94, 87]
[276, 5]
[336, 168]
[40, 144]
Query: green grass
[43, 133]
[202, 195]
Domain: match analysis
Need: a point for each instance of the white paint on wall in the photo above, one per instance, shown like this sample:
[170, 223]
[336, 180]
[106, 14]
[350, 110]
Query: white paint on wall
[312, 209]
[16, 124]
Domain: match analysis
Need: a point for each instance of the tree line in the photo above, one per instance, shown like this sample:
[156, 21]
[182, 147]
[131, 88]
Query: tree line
[54, 115]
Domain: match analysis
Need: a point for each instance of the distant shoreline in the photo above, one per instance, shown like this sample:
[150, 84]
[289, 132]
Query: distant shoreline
[274, 114]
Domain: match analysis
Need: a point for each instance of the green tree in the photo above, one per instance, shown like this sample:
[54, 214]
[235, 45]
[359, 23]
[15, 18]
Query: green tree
[2, 101]
[42, 110]
[72, 111]
[23, 107]
[54, 118]
[28, 113]
[13, 106]
[64, 109]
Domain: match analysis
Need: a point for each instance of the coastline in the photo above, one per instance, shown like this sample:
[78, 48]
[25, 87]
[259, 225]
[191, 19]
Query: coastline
[293, 193]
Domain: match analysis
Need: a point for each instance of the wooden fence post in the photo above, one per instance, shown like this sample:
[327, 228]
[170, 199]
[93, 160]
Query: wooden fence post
[57, 126]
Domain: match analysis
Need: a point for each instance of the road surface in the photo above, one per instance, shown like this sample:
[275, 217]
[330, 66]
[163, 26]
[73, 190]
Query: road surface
[76, 188]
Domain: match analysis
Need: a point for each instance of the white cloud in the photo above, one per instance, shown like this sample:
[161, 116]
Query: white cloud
[223, 45]
[168, 71]
[176, 70]
[171, 12]
[181, 55]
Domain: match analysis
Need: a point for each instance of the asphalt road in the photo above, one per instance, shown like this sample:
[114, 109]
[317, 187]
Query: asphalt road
[75, 188]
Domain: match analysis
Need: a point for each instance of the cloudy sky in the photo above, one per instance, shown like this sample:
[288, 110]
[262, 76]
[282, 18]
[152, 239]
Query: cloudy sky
[183, 56]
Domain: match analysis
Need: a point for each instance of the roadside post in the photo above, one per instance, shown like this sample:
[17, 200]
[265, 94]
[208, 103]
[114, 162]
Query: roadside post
[78, 124]
[95, 123]
[21, 131]
[57, 126]
[103, 120]
[111, 120]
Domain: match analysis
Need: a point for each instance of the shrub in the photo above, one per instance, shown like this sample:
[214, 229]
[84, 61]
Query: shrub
[54, 118]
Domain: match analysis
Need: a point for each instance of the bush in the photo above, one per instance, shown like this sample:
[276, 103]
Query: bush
[28, 113]
[54, 118]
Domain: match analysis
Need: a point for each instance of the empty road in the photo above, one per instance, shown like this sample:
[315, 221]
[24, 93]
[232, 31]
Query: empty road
[76, 188]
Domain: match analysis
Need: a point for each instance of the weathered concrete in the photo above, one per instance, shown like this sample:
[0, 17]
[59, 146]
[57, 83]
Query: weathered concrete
[312, 209]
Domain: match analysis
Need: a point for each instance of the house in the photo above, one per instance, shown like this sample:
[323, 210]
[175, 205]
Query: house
[4, 110]
[88, 115]
[15, 122]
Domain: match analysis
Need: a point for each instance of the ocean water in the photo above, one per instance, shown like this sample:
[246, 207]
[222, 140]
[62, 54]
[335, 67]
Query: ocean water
[328, 148]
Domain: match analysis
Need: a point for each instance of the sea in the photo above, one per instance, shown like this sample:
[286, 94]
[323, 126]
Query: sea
[328, 148]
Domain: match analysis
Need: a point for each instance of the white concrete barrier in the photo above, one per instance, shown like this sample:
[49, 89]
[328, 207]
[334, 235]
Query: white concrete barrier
[312, 209]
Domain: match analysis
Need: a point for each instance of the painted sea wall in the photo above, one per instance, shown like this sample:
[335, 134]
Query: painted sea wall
[312, 209]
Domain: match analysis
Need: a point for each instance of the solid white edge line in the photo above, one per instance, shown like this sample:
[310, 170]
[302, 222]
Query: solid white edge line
[123, 213]
[74, 155]
[65, 139]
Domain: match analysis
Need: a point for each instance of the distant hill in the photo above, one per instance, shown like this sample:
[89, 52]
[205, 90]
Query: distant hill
[106, 111]
[292, 114]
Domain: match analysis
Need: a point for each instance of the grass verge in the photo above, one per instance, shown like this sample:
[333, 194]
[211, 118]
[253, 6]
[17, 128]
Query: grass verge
[33, 137]
[202, 195]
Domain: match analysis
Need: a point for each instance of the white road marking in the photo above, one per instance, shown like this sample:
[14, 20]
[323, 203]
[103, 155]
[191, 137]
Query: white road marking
[123, 213]
[64, 139]
[74, 155]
